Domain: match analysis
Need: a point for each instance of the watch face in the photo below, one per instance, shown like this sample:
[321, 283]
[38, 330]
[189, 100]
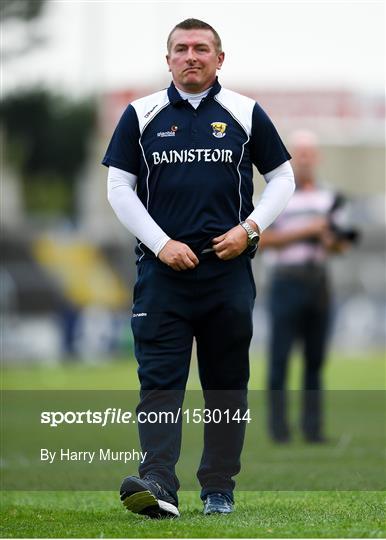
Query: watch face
[254, 239]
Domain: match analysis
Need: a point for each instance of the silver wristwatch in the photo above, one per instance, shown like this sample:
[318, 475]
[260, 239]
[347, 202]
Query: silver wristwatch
[253, 237]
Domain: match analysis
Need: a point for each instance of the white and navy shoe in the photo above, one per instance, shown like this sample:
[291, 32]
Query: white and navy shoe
[148, 498]
[217, 503]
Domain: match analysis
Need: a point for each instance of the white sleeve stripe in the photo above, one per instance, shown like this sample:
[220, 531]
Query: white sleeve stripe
[233, 116]
[148, 107]
[147, 175]
[152, 118]
[240, 107]
[242, 152]
[143, 152]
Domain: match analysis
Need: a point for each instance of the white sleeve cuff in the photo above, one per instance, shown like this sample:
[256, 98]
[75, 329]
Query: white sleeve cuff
[278, 191]
[131, 212]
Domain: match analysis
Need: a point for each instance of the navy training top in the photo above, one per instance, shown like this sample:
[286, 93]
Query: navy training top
[194, 166]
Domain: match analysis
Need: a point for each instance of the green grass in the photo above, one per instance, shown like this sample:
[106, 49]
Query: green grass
[257, 515]
[350, 373]
[264, 514]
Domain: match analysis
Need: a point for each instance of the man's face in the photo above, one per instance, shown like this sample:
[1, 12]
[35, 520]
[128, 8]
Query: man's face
[193, 59]
[305, 160]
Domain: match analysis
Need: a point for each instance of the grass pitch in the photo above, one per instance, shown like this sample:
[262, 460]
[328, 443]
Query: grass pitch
[365, 372]
[257, 515]
[274, 514]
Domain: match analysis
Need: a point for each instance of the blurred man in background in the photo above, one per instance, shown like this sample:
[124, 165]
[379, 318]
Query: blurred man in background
[298, 245]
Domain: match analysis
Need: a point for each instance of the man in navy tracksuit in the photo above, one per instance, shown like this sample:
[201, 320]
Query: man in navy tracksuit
[180, 179]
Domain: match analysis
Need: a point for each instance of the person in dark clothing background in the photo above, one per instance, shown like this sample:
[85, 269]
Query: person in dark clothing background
[297, 247]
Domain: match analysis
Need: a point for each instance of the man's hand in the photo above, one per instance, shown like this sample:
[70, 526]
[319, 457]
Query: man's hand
[230, 244]
[178, 256]
[317, 228]
[332, 244]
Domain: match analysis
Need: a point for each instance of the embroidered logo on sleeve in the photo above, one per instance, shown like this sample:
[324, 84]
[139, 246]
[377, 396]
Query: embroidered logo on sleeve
[149, 112]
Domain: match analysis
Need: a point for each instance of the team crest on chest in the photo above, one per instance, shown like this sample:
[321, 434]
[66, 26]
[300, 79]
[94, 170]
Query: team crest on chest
[218, 129]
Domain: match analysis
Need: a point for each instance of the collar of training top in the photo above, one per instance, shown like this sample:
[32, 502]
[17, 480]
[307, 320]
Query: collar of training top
[176, 99]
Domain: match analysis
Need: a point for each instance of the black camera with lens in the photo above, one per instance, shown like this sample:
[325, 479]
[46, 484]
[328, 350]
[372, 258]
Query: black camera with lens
[340, 221]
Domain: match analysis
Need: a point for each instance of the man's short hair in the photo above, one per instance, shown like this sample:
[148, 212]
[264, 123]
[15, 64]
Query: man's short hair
[196, 24]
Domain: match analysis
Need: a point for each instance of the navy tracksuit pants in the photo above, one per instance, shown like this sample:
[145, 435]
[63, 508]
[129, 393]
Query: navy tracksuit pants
[212, 303]
[299, 307]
